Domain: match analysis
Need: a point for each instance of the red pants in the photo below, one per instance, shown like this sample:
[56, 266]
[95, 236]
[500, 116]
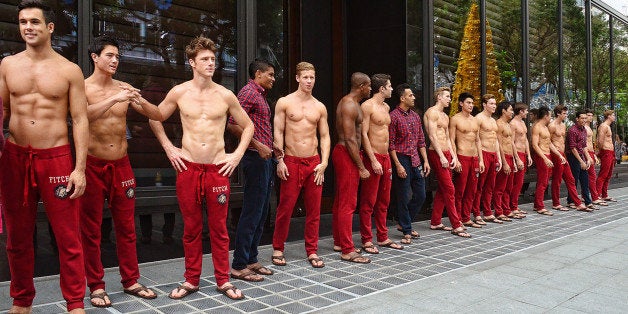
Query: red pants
[202, 181]
[444, 197]
[466, 183]
[113, 180]
[345, 198]
[29, 174]
[517, 182]
[563, 171]
[595, 193]
[374, 200]
[542, 180]
[486, 184]
[301, 177]
[503, 187]
[607, 161]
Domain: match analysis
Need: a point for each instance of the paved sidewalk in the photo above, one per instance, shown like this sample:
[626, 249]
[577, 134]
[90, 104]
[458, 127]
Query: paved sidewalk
[571, 262]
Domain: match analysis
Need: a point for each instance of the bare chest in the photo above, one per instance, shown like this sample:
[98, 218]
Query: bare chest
[37, 81]
[302, 113]
[195, 107]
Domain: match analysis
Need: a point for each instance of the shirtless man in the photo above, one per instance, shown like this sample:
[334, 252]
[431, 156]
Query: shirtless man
[492, 162]
[522, 147]
[202, 164]
[298, 118]
[561, 169]
[464, 132]
[39, 87]
[595, 193]
[348, 166]
[442, 161]
[509, 160]
[375, 191]
[109, 172]
[541, 143]
[607, 153]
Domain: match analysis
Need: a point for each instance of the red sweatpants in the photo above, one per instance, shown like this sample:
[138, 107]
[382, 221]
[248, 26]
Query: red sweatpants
[444, 197]
[345, 198]
[595, 193]
[466, 183]
[486, 184]
[542, 180]
[374, 200]
[301, 177]
[563, 171]
[607, 161]
[113, 180]
[198, 182]
[29, 174]
[517, 182]
[503, 187]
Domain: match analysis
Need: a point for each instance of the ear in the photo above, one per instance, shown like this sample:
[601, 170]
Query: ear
[93, 56]
[191, 62]
[51, 27]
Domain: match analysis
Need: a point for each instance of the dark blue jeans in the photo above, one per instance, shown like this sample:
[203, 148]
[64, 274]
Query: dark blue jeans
[581, 176]
[258, 180]
[410, 193]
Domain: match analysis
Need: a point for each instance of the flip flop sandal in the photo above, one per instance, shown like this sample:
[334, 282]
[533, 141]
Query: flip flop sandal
[545, 212]
[136, 292]
[460, 233]
[357, 250]
[316, 259]
[276, 260]
[371, 247]
[441, 227]
[354, 259]
[100, 296]
[225, 291]
[480, 221]
[261, 270]
[247, 276]
[493, 220]
[561, 208]
[187, 289]
[390, 245]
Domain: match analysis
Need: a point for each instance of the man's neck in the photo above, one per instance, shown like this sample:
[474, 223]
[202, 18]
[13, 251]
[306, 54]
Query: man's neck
[300, 93]
[379, 98]
[356, 95]
[486, 113]
[504, 119]
[42, 51]
[404, 107]
[101, 78]
[202, 82]
[518, 118]
[440, 106]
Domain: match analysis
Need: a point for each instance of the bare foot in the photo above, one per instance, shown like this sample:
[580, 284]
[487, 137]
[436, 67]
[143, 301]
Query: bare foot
[230, 291]
[143, 292]
[18, 309]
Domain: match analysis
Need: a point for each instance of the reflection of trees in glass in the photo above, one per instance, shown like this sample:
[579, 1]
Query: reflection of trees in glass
[270, 44]
[620, 54]
[413, 44]
[449, 20]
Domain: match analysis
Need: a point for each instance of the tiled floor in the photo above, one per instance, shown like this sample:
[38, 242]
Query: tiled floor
[298, 287]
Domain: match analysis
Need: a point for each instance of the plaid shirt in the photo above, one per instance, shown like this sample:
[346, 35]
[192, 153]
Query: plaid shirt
[252, 98]
[406, 134]
[577, 138]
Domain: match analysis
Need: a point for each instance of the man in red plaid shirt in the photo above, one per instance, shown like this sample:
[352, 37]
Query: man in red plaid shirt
[257, 166]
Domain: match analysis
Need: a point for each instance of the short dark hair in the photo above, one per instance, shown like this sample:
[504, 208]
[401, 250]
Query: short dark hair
[401, 89]
[464, 95]
[520, 107]
[49, 14]
[542, 112]
[559, 109]
[379, 80]
[501, 107]
[581, 111]
[588, 110]
[259, 64]
[99, 44]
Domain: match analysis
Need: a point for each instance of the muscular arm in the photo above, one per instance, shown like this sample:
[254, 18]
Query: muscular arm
[80, 130]
[478, 145]
[278, 135]
[431, 120]
[4, 93]
[166, 108]
[325, 144]
[147, 109]
[232, 160]
[367, 110]
[350, 114]
[452, 135]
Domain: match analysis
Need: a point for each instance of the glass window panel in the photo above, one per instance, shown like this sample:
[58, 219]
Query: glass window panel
[620, 57]
[271, 45]
[601, 60]
[574, 53]
[414, 46]
[504, 17]
[154, 36]
[543, 53]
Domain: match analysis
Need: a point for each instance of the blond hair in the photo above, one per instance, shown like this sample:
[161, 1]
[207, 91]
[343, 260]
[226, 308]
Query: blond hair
[304, 66]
